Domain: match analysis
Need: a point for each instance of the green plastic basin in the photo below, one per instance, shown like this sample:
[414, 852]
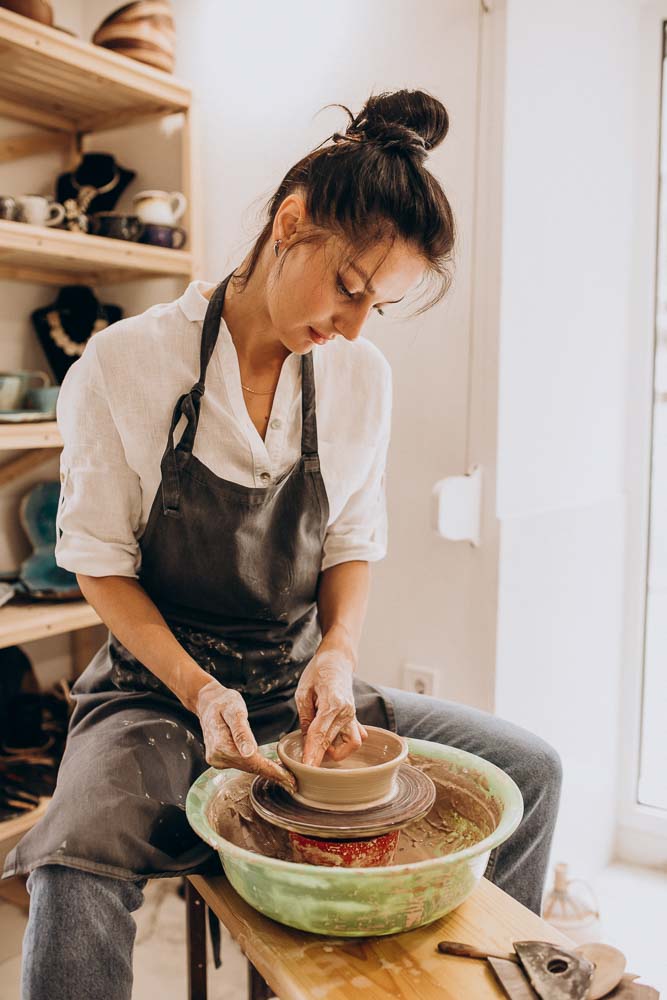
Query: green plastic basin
[358, 902]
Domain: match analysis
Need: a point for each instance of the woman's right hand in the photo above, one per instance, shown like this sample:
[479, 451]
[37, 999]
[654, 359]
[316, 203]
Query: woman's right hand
[228, 739]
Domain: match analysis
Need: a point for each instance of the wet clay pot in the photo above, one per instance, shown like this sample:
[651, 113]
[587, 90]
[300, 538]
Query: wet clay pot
[366, 778]
[369, 852]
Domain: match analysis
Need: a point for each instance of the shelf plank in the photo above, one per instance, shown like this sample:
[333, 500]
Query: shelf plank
[77, 86]
[24, 621]
[19, 437]
[58, 256]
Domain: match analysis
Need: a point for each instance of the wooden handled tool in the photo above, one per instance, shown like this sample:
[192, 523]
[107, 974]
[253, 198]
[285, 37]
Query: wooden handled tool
[468, 951]
[609, 976]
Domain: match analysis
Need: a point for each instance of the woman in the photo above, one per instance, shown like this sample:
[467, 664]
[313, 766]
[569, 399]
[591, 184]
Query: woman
[227, 546]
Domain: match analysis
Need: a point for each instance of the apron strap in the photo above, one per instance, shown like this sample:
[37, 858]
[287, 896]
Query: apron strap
[309, 450]
[189, 404]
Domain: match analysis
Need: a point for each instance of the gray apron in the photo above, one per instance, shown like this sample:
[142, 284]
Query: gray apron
[234, 571]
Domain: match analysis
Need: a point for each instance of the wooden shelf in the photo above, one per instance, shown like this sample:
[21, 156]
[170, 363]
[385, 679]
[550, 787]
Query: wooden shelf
[25, 621]
[12, 829]
[52, 79]
[18, 437]
[58, 257]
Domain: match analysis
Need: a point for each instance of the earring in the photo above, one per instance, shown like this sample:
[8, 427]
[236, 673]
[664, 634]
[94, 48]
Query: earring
[276, 245]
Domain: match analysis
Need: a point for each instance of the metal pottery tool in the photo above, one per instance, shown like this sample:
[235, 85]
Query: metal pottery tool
[318, 834]
[549, 963]
[539, 970]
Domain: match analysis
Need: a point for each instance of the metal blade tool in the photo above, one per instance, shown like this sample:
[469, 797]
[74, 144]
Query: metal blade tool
[539, 971]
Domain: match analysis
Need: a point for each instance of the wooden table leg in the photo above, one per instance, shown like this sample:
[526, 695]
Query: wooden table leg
[257, 988]
[196, 938]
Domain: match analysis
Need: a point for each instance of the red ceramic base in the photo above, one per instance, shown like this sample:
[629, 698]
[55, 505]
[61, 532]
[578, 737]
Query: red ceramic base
[371, 852]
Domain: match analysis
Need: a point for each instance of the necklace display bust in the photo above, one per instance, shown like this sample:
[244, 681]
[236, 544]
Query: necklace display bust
[65, 327]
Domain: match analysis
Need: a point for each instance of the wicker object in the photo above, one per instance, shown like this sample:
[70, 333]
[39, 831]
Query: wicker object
[143, 30]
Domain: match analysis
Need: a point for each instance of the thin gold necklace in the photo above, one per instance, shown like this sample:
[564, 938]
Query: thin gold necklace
[256, 393]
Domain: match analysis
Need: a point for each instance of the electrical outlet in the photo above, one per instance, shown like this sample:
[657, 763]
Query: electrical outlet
[421, 680]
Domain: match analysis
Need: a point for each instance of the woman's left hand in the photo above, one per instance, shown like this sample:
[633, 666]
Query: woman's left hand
[325, 703]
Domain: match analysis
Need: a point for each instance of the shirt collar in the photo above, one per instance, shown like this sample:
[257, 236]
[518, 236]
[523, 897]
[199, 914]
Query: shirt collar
[192, 301]
[194, 306]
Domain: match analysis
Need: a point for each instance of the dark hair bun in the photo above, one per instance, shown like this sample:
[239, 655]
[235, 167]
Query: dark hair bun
[407, 121]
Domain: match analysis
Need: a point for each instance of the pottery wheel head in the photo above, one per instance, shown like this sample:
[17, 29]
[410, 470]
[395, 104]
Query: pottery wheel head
[414, 796]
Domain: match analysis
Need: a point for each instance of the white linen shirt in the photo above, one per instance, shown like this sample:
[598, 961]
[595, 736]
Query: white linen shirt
[115, 408]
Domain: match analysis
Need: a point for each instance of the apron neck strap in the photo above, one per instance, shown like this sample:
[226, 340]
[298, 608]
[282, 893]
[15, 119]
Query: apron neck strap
[189, 404]
[309, 448]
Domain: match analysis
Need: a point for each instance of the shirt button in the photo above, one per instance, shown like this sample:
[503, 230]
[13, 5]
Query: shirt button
[276, 424]
[265, 476]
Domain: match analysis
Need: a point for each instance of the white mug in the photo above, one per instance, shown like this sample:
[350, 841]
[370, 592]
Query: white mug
[37, 210]
[159, 208]
[14, 385]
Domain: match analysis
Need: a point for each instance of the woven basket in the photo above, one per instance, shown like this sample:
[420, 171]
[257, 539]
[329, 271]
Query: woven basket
[143, 30]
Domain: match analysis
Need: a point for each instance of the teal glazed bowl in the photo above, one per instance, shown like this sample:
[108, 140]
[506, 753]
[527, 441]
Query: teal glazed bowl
[359, 902]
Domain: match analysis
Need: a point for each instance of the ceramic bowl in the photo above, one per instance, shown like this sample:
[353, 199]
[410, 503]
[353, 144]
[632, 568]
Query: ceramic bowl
[359, 902]
[365, 778]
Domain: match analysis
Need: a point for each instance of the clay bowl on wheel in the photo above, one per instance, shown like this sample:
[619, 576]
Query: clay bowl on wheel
[367, 777]
[358, 902]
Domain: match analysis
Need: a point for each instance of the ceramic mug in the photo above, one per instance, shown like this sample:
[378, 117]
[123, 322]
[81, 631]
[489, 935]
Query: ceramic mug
[116, 226]
[14, 385]
[7, 207]
[37, 210]
[163, 236]
[43, 399]
[161, 208]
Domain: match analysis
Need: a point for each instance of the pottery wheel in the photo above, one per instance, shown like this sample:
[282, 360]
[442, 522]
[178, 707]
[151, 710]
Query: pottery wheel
[415, 794]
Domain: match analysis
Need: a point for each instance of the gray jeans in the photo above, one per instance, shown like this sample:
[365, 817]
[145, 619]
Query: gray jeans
[80, 934]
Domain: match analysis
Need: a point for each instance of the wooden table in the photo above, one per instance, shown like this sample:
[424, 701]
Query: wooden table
[301, 966]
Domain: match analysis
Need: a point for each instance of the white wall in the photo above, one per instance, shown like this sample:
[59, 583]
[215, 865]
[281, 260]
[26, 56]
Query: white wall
[568, 210]
[260, 84]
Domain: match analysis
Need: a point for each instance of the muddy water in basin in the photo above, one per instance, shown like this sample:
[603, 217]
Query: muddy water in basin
[463, 814]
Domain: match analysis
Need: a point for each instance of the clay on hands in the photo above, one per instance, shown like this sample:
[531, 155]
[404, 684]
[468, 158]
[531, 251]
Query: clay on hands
[228, 738]
[327, 713]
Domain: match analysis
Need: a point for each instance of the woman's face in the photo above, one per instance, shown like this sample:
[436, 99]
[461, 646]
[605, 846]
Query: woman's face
[321, 293]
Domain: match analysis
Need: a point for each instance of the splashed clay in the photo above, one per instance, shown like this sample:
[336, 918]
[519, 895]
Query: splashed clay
[461, 816]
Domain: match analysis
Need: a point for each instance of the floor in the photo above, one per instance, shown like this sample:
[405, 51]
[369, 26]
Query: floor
[159, 958]
[633, 908]
[623, 893]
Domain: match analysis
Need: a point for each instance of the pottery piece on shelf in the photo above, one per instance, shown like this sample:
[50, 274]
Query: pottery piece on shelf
[116, 226]
[161, 208]
[163, 236]
[36, 10]
[143, 30]
[39, 573]
[38, 210]
[15, 385]
[25, 416]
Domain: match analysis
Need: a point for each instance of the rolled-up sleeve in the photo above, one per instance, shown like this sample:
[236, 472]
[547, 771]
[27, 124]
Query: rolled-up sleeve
[360, 530]
[100, 495]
